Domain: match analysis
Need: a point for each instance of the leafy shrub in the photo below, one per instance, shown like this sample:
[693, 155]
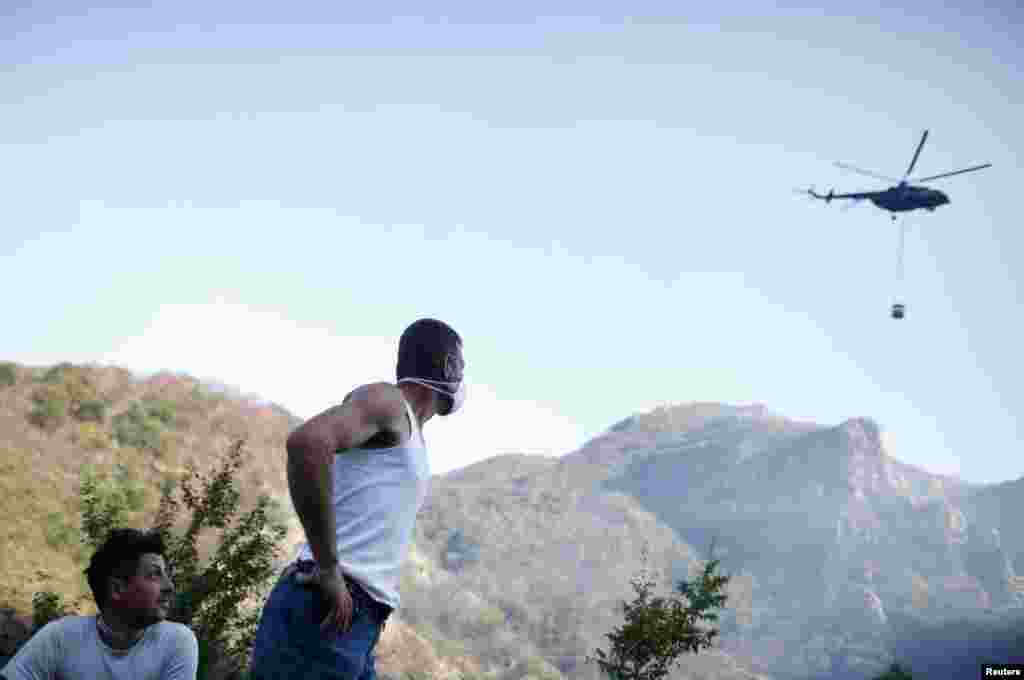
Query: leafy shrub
[65, 390]
[276, 513]
[243, 565]
[92, 411]
[8, 374]
[49, 409]
[658, 630]
[135, 427]
[55, 374]
[106, 503]
[58, 533]
[47, 606]
[161, 409]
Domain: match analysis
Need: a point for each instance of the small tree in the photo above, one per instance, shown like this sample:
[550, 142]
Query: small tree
[210, 597]
[658, 630]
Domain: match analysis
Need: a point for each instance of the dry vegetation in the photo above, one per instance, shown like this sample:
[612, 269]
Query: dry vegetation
[42, 458]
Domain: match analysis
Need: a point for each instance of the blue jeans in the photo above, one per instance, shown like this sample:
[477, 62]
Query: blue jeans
[289, 644]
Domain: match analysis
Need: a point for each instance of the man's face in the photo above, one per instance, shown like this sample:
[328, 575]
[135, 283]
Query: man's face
[454, 365]
[146, 597]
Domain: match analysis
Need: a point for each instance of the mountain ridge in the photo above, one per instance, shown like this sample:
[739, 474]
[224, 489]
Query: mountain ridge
[520, 561]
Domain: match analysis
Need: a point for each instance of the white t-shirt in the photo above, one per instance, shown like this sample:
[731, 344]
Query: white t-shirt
[70, 648]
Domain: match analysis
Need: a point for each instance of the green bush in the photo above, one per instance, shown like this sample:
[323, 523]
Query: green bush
[242, 565]
[47, 606]
[58, 534]
[277, 515]
[8, 374]
[161, 409]
[106, 503]
[92, 411]
[135, 427]
[49, 411]
[144, 424]
[55, 374]
[658, 630]
[131, 489]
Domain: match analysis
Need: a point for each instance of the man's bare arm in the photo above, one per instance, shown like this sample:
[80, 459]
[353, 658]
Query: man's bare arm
[311, 450]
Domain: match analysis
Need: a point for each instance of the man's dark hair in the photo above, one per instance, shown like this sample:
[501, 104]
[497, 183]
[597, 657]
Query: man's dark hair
[423, 348]
[119, 557]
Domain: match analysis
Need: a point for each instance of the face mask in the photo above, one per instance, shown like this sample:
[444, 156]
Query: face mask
[454, 391]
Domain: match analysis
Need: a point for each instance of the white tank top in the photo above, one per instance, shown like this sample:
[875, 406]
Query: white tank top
[376, 496]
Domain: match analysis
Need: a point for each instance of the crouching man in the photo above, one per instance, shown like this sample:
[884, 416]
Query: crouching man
[129, 639]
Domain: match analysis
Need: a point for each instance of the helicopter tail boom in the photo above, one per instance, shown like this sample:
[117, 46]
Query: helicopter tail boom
[824, 197]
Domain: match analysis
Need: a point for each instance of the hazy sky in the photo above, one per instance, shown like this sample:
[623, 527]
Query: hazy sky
[598, 197]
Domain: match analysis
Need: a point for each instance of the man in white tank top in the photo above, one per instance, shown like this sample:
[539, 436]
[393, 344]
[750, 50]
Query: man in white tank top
[358, 475]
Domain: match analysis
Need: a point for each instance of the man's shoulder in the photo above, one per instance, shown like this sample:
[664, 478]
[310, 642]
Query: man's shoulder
[174, 631]
[175, 644]
[51, 645]
[381, 398]
[377, 390]
[68, 625]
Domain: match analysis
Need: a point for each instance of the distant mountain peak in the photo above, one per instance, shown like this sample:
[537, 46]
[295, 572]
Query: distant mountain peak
[689, 415]
[862, 435]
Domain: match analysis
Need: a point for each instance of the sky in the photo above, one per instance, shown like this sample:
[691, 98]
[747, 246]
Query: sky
[600, 198]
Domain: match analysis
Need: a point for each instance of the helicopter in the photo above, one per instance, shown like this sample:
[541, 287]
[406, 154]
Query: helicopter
[904, 196]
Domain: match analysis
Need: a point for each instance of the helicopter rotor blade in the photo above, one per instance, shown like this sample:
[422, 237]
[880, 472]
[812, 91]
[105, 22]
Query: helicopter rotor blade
[916, 154]
[956, 172]
[852, 168]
